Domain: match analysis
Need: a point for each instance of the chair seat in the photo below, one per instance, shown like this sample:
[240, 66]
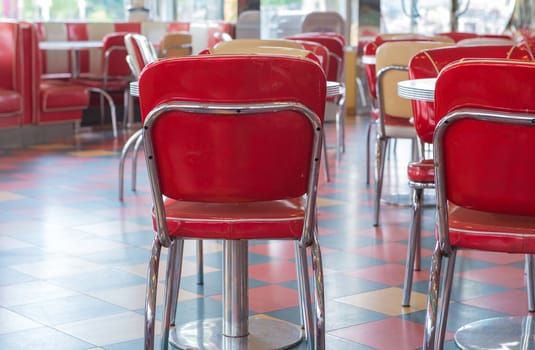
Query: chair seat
[472, 229]
[10, 101]
[248, 220]
[421, 171]
[63, 96]
[111, 84]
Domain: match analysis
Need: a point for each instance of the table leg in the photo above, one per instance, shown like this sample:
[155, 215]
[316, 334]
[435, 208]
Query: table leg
[236, 330]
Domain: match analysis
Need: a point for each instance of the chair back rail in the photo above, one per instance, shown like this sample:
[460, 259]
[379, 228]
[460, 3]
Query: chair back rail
[429, 63]
[206, 174]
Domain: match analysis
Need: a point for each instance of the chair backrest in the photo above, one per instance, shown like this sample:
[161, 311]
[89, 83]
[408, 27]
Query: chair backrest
[336, 51]
[323, 21]
[317, 49]
[261, 50]
[370, 49]
[250, 42]
[140, 52]
[234, 155]
[392, 61]
[484, 161]
[429, 63]
[114, 56]
[175, 44]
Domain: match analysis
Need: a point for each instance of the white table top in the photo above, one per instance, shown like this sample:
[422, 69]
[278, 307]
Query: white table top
[70, 45]
[417, 89]
[334, 88]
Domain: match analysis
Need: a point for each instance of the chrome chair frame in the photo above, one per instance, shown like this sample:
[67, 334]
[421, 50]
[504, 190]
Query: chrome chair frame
[383, 139]
[234, 323]
[443, 248]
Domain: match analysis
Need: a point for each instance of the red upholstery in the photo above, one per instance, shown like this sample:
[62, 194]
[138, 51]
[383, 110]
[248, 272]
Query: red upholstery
[486, 184]
[52, 101]
[428, 64]
[12, 96]
[484, 172]
[114, 48]
[319, 50]
[421, 171]
[235, 175]
[458, 36]
[255, 179]
[336, 49]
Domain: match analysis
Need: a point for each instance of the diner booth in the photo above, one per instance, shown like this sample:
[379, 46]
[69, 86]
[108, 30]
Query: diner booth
[267, 175]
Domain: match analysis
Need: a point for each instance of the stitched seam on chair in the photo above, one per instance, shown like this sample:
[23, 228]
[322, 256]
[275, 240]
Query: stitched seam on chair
[432, 62]
[509, 234]
[235, 220]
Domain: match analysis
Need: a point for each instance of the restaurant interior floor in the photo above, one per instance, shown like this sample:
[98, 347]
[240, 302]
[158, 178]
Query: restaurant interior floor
[73, 258]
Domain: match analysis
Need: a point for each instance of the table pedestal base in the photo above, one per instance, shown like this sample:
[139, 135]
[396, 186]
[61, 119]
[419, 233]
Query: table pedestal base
[264, 334]
[509, 333]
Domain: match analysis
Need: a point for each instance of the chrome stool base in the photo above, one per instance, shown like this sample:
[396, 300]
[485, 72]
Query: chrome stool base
[497, 333]
[264, 333]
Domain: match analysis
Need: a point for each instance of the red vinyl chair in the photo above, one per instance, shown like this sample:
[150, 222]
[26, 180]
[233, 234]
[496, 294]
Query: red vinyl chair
[271, 47]
[482, 145]
[206, 185]
[114, 77]
[421, 175]
[335, 43]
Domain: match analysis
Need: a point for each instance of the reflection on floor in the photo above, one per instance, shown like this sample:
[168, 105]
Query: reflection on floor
[73, 258]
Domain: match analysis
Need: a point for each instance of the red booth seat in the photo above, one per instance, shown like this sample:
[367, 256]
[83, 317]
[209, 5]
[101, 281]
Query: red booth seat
[12, 97]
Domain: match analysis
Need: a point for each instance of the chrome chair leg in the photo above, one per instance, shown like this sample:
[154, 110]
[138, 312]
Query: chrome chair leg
[317, 267]
[529, 282]
[326, 158]
[150, 297]
[200, 262]
[432, 300]
[368, 140]
[446, 296]
[415, 227]
[303, 285]
[139, 141]
[126, 148]
[382, 144]
[172, 286]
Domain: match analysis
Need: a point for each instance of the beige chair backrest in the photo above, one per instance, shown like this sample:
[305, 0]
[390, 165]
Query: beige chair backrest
[244, 43]
[175, 44]
[485, 41]
[398, 54]
[266, 50]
